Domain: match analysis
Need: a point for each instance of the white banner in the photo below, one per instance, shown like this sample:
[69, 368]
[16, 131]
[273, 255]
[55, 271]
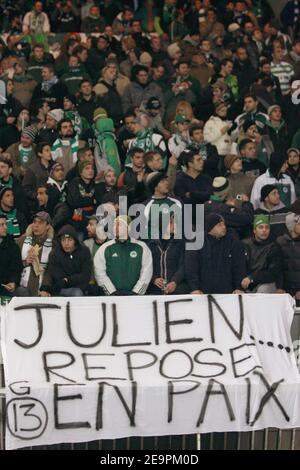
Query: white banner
[84, 369]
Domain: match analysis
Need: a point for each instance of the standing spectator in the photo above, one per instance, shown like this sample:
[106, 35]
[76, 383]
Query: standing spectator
[65, 17]
[263, 259]
[74, 75]
[11, 263]
[49, 131]
[293, 169]
[23, 84]
[179, 141]
[240, 184]
[70, 266]
[50, 89]
[251, 164]
[276, 174]
[36, 21]
[23, 153]
[37, 61]
[281, 69]
[65, 148]
[277, 130]
[8, 180]
[108, 95]
[94, 22]
[208, 151]
[216, 129]
[123, 266]
[87, 100]
[220, 265]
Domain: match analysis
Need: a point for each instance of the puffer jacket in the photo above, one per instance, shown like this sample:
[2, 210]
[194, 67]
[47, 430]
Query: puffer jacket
[290, 257]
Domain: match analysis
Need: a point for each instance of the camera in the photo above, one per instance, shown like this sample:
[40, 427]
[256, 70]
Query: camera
[239, 197]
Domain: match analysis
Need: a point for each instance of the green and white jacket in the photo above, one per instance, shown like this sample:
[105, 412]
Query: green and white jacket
[125, 266]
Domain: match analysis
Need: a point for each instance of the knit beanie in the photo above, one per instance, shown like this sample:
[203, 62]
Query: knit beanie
[31, 132]
[229, 160]
[99, 113]
[153, 179]
[56, 114]
[212, 220]
[261, 219]
[173, 49]
[266, 190]
[54, 167]
[221, 187]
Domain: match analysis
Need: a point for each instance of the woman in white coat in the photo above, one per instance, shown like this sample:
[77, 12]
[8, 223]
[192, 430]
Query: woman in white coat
[216, 129]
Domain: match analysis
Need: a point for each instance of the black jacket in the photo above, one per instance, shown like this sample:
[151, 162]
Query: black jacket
[54, 97]
[218, 268]
[200, 188]
[168, 259]
[11, 265]
[86, 108]
[253, 167]
[290, 258]
[239, 220]
[75, 267]
[263, 262]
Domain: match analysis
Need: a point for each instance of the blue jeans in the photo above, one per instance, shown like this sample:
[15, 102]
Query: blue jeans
[71, 292]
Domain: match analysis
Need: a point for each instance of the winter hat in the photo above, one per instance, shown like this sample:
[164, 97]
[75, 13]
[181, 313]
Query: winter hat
[180, 119]
[56, 114]
[145, 59]
[212, 220]
[173, 49]
[221, 187]
[82, 165]
[125, 219]
[272, 108]
[68, 231]
[219, 105]
[30, 131]
[248, 123]
[261, 219]
[42, 215]
[153, 179]
[229, 160]
[153, 103]
[266, 190]
[233, 27]
[275, 164]
[99, 113]
[293, 149]
[54, 167]
[291, 220]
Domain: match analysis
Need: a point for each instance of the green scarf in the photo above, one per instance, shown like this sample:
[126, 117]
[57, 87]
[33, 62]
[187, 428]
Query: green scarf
[12, 223]
[24, 155]
[106, 140]
[57, 148]
[6, 184]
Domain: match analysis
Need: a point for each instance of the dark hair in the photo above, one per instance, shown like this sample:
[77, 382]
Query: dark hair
[7, 161]
[130, 113]
[40, 147]
[243, 144]
[85, 80]
[135, 150]
[187, 156]
[225, 62]
[50, 67]
[250, 95]
[196, 127]
[183, 61]
[38, 46]
[82, 151]
[62, 122]
[44, 186]
[3, 216]
[150, 155]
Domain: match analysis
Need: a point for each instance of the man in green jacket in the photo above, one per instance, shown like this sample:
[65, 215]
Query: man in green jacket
[123, 266]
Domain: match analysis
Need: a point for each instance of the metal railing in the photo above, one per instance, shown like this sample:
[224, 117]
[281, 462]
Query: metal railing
[267, 439]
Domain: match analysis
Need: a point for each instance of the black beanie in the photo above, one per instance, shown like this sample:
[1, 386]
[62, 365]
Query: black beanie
[266, 190]
[212, 220]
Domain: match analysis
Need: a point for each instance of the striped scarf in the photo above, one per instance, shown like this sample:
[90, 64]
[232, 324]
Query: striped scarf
[57, 148]
[46, 249]
[13, 227]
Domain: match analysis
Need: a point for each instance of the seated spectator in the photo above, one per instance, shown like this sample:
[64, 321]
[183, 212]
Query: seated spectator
[23, 84]
[251, 165]
[123, 266]
[274, 209]
[35, 246]
[11, 108]
[153, 110]
[8, 180]
[220, 265]
[108, 94]
[293, 170]
[276, 174]
[11, 263]
[16, 221]
[37, 173]
[109, 185]
[74, 75]
[37, 60]
[23, 153]
[96, 237]
[87, 101]
[69, 268]
[277, 130]
[81, 195]
[168, 263]
[84, 154]
[263, 259]
[106, 151]
[11, 133]
[49, 131]
[179, 141]
[238, 217]
[240, 184]
[208, 151]
[251, 113]
[289, 245]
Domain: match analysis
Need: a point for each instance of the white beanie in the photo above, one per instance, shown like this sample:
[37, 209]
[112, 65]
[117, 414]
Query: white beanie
[173, 49]
[56, 114]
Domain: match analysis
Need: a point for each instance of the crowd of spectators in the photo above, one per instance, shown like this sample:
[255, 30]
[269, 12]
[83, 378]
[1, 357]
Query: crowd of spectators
[171, 105]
